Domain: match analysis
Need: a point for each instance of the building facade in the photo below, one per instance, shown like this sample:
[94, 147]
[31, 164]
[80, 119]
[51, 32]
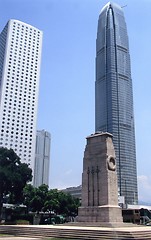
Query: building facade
[42, 158]
[20, 58]
[74, 191]
[114, 96]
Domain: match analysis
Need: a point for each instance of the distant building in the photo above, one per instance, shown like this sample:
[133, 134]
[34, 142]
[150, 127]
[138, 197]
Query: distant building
[74, 191]
[42, 158]
[20, 59]
[114, 96]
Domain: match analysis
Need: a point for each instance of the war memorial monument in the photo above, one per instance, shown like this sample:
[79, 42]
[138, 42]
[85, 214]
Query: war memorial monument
[99, 182]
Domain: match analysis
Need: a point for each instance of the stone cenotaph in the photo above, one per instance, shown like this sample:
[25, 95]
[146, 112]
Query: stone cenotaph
[99, 182]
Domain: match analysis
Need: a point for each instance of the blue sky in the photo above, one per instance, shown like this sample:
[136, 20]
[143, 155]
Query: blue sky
[66, 97]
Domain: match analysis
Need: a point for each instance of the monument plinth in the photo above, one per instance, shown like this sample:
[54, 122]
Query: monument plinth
[99, 181]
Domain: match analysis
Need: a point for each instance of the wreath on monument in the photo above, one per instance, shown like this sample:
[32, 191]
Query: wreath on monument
[111, 163]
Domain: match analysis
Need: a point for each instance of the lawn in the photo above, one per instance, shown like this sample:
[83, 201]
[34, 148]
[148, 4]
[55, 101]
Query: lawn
[61, 239]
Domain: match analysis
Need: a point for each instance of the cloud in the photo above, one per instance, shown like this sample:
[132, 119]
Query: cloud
[144, 188]
[68, 172]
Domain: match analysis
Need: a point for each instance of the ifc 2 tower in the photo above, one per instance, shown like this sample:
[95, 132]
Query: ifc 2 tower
[114, 96]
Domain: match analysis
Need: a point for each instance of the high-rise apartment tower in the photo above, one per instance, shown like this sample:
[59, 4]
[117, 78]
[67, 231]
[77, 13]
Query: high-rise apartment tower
[114, 97]
[42, 158]
[20, 56]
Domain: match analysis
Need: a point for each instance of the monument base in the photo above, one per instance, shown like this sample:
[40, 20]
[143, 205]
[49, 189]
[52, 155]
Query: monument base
[105, 214]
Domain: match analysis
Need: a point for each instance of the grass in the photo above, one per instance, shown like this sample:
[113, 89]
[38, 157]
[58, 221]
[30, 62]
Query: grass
[61, 239]
[5, 235]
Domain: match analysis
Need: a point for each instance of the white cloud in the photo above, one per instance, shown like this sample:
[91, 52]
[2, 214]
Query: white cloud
[68, 172]
[144, 188]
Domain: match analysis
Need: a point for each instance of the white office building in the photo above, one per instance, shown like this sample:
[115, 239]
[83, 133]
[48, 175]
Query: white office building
[20, 57]
[42, 158]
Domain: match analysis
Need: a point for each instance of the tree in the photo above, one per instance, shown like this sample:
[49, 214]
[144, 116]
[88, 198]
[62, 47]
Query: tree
[68, 204]
[42, 199]
[52, 203]
[13, 176]
[28, 194]
[34, 198]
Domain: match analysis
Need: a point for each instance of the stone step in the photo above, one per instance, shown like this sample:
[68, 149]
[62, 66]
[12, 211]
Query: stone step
[78, 233]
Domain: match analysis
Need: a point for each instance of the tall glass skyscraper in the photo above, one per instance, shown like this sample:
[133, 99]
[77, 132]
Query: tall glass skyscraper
[42, 158]
[20, 59]
[114, 96]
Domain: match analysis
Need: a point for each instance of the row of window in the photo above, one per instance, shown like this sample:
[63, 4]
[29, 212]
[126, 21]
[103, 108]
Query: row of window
[16, 136]
[24, 35]
[24, 27]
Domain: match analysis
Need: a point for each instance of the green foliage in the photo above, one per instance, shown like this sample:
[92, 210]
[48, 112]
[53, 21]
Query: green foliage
[52, 201]
[22, 222]
[34, 198]
[24, 217]
[13, 176]
[42, 199]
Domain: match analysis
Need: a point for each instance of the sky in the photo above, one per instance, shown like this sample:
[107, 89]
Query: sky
[67, 82]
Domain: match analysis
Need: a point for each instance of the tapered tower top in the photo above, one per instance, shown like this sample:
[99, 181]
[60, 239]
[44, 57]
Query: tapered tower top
[112, 5]
[111, 14]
